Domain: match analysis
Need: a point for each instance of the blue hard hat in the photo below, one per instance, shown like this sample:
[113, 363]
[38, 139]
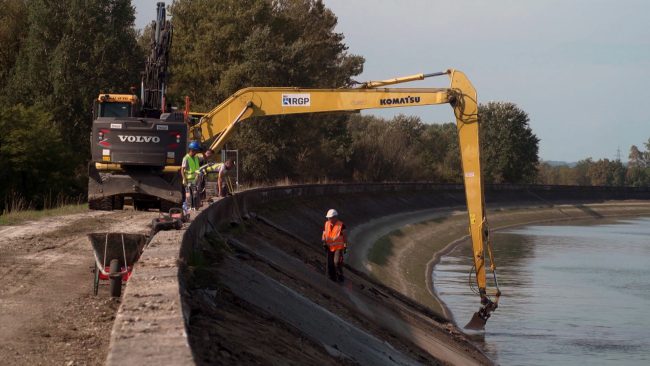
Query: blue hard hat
[194, 145]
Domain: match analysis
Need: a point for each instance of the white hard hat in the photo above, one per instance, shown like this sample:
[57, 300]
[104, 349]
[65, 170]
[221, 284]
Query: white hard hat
[331, 213]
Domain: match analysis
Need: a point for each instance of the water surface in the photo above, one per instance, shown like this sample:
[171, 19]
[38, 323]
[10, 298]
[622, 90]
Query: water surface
[574, 294]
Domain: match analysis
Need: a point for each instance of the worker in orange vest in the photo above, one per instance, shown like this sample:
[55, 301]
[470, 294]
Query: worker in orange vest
[335, 243]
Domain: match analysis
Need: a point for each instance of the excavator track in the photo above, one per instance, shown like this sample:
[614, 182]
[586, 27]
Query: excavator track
[107, 203]
[102, 204]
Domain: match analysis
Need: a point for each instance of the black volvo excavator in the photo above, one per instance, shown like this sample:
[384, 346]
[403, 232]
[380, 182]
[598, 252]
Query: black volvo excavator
[137, 144]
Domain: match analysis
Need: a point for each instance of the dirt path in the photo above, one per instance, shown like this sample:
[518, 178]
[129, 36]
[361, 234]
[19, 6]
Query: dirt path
[48, 314]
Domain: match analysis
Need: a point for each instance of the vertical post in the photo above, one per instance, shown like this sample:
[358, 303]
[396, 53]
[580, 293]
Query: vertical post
[163, 97]
[162, 107]
[237, 168]
[187, 110]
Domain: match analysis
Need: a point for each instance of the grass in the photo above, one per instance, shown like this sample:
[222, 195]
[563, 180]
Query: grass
[19, 216]
[382, 249]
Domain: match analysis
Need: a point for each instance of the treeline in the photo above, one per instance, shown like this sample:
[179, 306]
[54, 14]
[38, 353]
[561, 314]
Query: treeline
[55, 58]
[603, 172]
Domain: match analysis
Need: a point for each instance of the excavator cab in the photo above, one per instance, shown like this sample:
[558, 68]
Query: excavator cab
[116, 105]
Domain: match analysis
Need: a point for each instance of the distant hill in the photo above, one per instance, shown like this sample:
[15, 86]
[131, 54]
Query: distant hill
[559, 163]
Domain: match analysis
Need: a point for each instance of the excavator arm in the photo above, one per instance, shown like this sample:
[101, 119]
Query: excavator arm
[217, 125]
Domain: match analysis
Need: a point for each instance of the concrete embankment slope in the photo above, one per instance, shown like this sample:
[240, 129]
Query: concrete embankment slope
[252, 288]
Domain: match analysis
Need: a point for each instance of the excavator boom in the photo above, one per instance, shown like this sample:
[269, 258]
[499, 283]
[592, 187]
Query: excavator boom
[217, 125]
[283, 101]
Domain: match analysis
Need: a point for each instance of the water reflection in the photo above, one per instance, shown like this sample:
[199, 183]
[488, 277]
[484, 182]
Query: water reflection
[573, 294]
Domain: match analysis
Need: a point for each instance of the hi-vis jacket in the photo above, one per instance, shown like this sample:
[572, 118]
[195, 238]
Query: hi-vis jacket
[333, 235]
[192, 167]
[213, 167]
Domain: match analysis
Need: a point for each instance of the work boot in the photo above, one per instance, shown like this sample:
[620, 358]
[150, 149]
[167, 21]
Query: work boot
[339, 275]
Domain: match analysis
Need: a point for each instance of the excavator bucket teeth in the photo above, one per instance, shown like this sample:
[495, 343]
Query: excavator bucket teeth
[476, 323]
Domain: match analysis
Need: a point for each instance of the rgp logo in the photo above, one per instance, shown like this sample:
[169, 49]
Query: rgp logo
[296, 100]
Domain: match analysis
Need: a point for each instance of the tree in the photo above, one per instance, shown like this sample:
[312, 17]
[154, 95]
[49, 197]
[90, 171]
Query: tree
[33, 158]
[638, 171]
[580, 174]
[227, 45]
[639, 158]
[556, 175]
[64, 53]
[387, 150]
[508, 145]
[223, 46]
[637, 177]
[74, 50]
[441, 154]
[98, 52]
[13, 26]
[606, 173]
[547, 174]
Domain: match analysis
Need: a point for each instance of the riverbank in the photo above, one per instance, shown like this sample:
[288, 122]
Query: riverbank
[401, 251]
[256, 258]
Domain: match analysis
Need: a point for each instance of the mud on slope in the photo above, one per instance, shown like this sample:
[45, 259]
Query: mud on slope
[49, 315]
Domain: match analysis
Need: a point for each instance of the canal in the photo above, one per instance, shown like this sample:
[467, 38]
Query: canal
[573, 294]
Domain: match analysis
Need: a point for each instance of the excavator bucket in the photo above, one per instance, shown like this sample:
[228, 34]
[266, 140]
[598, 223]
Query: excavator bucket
[483, 314]
[477, 322]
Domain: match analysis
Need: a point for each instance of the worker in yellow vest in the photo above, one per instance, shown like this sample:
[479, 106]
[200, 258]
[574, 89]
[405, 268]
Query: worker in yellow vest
[335, 243]
[189, 171]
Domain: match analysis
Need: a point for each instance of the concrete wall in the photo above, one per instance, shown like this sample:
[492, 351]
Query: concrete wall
[302, 207]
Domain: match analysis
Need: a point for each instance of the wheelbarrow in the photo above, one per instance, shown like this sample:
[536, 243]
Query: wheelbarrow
[115, 254]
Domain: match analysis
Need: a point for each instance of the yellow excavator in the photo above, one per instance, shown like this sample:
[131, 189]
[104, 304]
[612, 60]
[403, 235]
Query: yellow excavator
[216, 126]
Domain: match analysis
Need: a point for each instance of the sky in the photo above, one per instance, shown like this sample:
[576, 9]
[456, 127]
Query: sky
[579, 68]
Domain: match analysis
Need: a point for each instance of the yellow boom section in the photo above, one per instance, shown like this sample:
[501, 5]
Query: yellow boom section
[217, 125]
[283, 101]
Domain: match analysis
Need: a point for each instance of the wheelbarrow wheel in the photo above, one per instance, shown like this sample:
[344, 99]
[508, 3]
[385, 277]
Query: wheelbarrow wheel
[96, 281]
[115, 280]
